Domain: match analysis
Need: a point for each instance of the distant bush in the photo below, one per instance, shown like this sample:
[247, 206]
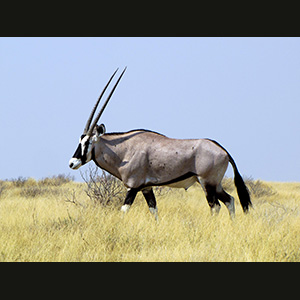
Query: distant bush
[31, 188]
[2, 187]
[19, 182]
[33, 191]
[57, 180]
[103, 189]
[256, 187]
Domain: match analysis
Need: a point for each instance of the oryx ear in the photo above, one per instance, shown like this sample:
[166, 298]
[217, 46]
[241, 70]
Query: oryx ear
[100, 129]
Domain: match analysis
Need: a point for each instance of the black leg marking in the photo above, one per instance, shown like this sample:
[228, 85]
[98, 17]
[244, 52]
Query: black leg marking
[228, 201]
[150, 198]
[224, 197]
[212, 198]
[129, 199]
[130, 196]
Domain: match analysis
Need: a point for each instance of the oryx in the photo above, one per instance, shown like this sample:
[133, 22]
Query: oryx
[142, 159]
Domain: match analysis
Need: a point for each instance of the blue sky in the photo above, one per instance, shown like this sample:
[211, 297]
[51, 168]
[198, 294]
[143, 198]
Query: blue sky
[242, 92]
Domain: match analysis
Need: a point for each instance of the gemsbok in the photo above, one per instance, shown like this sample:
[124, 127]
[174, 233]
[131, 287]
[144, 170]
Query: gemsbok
[142, 159]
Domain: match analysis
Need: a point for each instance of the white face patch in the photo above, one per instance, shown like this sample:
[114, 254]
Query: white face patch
[75, 163]
[83, 144]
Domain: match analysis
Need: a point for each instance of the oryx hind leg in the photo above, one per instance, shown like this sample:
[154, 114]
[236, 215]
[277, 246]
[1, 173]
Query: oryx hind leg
[151, 201]
[211, 197]
[227, 199]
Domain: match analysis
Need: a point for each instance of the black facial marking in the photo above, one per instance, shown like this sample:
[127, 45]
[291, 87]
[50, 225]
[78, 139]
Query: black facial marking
[86, 147]
[77, 153]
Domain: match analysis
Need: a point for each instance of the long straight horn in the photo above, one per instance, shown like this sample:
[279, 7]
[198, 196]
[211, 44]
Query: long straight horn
[104, 105]
[88, 123]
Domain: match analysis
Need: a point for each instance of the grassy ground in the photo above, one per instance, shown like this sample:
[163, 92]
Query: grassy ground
[47, 222]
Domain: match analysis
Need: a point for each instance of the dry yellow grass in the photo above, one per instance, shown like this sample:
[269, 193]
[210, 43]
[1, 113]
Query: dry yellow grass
[47, 228]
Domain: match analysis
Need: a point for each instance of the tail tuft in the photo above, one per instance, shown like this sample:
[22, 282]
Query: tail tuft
[242, 190]
[241, 187]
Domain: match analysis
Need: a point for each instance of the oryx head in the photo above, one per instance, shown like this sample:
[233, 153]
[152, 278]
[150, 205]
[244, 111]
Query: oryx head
[91, 133]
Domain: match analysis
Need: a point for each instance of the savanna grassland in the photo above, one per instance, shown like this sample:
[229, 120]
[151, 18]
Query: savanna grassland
[55, 220]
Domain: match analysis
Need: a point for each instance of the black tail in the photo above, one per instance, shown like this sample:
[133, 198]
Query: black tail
[242, 190]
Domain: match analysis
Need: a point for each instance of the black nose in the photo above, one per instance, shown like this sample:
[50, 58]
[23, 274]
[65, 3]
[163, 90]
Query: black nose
[71, 165]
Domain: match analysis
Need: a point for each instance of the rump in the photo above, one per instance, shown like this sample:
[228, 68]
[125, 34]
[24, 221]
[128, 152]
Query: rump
[211, 162]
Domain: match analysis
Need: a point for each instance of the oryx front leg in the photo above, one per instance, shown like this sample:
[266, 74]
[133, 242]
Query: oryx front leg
[150, 198]
[130, 196]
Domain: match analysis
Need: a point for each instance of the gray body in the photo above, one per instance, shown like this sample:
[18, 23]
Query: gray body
[142, 159]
